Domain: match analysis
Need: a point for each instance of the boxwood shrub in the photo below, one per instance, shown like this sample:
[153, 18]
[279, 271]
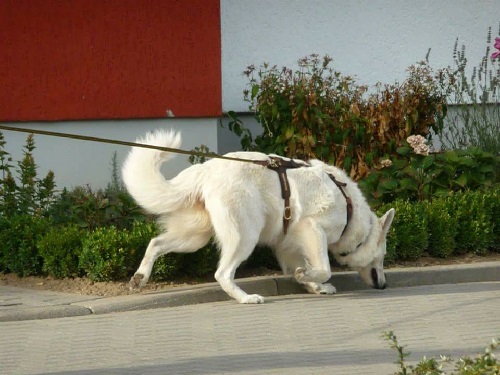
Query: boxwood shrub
[442, 227]
[408, 237]
[18, 250]
[473, 211]
[60, 250]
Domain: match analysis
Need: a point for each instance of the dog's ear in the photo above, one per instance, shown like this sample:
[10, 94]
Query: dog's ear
[386, 221]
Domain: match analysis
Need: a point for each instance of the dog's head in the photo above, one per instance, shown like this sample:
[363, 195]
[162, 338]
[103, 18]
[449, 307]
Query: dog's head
[367, 257]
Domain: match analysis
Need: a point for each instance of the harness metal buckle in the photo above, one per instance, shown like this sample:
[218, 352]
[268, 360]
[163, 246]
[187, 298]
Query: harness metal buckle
[273, 163]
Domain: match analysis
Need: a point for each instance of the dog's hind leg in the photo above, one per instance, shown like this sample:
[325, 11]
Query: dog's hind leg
[187, 232]
[164, 244]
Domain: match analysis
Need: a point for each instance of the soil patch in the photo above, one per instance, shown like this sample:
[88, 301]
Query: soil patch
[115, 288]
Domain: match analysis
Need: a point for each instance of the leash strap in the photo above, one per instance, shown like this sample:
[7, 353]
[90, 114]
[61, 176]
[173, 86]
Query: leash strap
[280, 166]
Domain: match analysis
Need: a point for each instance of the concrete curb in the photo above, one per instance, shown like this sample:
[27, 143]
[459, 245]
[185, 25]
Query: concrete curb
[45, 312]
[266, 286]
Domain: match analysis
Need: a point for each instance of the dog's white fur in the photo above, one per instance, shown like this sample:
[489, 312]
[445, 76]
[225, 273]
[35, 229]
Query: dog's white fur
[240, 205]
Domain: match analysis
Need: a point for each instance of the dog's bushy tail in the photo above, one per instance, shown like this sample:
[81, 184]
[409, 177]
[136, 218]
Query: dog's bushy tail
[142, 175]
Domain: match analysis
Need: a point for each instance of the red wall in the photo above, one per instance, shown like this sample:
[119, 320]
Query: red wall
[97, 59]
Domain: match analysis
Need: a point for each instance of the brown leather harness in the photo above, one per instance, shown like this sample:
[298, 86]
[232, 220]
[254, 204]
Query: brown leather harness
[280, 166]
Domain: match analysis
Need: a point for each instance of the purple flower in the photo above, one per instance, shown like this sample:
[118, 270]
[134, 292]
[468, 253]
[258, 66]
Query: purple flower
[497, 46]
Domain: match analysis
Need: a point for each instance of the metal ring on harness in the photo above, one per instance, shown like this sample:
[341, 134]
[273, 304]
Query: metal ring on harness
[287, 214]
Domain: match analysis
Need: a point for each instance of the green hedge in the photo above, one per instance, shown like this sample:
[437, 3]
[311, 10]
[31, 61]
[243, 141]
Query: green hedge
[60, 249]
[18, 244]
[30, 245]
[464, 222]
[112, 254]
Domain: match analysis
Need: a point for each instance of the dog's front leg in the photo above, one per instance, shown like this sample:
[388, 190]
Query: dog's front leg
[314, 270]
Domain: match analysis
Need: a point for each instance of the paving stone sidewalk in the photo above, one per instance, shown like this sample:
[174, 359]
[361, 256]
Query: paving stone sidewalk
[294, 334]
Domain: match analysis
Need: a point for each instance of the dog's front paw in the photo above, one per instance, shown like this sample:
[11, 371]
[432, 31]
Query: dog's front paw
[252, 298]
[137, 281]
[326, 289]
[300, 273]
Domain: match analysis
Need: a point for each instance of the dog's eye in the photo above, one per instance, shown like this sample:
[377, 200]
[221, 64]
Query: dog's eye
[357, 247]
[343, 254]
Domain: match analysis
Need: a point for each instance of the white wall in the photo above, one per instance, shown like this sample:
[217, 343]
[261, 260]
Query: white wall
[80, 162]
[375, 40]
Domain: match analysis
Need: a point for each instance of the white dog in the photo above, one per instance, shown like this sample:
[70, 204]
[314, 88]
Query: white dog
[240, 205]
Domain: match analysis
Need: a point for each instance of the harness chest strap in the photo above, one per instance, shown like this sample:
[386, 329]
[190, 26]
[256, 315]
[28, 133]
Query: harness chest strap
[280, 166]
[341, 186]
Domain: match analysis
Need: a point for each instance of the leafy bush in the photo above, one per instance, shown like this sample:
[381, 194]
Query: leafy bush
[494, 202]
[201, 262]
[60, 250]
[262, 256]
[167, 267]
[197, 264]
[482, 364]
[92, 209]
[316, 112]
[420, 177]
[19, 252]
[138, 239]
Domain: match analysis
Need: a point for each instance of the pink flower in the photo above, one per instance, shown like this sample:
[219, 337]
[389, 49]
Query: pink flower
[497, 46]
[419, 144]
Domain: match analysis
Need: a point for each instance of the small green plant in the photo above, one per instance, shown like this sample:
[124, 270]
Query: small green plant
[60, 250]
[203, 153]
[482, 364]
[116, 183]
[26, 194]
[8, 204]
